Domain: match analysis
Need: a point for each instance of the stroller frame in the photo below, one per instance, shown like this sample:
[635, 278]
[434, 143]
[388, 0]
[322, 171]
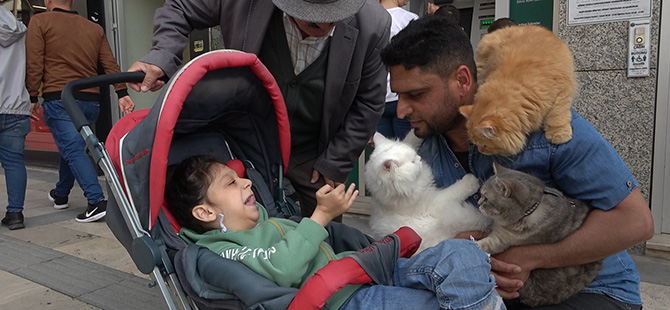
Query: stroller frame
[149, 259]
[148, 256]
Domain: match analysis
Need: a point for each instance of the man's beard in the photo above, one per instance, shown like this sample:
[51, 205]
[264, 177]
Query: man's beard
[426, 131]
[445, 121]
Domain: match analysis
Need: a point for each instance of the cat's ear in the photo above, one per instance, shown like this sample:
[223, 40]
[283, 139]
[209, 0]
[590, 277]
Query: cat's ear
[498, 168]
[412, 140]
[503, 187]
[466, 110]
[379, 139]
[487, 129]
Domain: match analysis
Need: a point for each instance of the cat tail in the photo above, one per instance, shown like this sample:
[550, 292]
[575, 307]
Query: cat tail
[412, 140]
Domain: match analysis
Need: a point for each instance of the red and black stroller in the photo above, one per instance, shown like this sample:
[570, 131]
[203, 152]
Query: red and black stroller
[223, 104]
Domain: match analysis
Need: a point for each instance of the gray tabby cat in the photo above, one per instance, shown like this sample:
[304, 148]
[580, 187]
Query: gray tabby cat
[525, 211]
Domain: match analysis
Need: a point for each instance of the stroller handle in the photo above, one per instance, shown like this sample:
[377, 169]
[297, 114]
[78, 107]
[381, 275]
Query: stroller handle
[71, 107]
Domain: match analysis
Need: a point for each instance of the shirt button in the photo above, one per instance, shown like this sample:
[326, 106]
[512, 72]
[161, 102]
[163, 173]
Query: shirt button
[292, 84]
[475, 196]
[457, 165]
[629, 183]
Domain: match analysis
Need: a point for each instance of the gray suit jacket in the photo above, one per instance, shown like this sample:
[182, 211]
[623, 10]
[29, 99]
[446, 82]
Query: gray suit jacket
[356, 77]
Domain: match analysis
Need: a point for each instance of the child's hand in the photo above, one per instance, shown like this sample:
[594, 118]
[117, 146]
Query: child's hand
[332, 202]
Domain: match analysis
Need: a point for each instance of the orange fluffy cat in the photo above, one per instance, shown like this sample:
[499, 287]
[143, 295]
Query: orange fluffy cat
[526, 79]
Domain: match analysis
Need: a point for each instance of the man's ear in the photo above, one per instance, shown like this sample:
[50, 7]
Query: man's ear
[464, 79]
[203, 213]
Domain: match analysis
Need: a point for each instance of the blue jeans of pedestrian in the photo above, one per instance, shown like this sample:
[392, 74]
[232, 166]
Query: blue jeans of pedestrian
[390, 125]
[455, 274]
[74, 163]
[13, 131]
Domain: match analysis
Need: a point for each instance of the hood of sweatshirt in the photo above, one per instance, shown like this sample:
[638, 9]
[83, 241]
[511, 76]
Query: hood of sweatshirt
[191, 236]
[11, 30]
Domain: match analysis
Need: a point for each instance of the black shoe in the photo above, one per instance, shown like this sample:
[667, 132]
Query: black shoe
[60, 202]
[93, 213]
[13, 220]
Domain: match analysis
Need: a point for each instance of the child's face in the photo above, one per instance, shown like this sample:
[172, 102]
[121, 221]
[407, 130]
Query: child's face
[232, 196]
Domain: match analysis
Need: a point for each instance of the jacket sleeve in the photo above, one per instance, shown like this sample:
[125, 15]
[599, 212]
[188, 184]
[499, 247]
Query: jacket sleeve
[360, 122]
[285, 262]
[109, 64]
[173, 22]
[34, 58]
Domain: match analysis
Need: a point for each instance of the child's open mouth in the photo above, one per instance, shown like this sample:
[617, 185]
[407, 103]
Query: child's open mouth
[250, 201]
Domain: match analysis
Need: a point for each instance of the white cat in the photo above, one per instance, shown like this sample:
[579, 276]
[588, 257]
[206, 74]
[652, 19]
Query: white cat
[404, 194]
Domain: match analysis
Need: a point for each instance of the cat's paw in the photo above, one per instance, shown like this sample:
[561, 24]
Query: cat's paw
[558, 135]
[490, 245]
[484, 245]
[471, 181]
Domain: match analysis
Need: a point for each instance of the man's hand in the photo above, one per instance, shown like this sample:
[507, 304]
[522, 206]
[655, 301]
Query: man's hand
[476, 234]
[151, 80]
[509, 277]
[333, 202]
[511, 270]
[126, 104]
[34, 106]
[315, 178]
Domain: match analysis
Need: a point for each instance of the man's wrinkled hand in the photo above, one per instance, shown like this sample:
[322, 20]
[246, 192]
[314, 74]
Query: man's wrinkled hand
[152, 77]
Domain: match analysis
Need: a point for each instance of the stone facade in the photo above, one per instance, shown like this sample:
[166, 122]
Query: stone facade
[621, 108]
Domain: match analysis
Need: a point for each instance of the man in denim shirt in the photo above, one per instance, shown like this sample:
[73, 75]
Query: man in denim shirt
[433, 72]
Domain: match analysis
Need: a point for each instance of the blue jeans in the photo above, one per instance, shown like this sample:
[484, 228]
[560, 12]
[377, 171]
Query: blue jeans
[13, 131]
[74, 163]
[455, 274]
[390, 125]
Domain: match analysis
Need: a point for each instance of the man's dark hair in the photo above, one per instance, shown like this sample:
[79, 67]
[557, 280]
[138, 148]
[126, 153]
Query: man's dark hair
[442, 2]
[433, 43]
[450, 11]
[501, 23]
[186, 187]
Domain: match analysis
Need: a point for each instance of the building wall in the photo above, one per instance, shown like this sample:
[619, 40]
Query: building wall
[621, 108]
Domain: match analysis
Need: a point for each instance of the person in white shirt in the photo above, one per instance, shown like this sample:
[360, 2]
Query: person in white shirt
[390, 125]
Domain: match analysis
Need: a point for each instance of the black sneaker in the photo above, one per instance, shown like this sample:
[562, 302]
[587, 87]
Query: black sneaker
[93, 212]
[60, 202]
[13, 220]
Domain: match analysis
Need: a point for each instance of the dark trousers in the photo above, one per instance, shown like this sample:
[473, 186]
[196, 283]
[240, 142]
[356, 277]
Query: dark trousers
[300, 177]
[580, 301]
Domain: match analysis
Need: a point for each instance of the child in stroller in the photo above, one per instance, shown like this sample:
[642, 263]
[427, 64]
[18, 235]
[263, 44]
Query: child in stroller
[216, 209]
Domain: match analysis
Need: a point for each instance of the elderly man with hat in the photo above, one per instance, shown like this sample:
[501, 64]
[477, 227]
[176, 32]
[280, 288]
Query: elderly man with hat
[325, 56]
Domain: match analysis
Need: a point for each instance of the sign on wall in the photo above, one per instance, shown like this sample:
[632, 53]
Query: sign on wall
[638, 48]
[601, 11]
[532, 12]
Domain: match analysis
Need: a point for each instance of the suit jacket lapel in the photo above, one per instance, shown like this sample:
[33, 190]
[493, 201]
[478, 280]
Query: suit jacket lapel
[260, 14]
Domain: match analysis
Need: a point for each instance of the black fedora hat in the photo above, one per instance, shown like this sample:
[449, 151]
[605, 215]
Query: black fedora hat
[319, 11]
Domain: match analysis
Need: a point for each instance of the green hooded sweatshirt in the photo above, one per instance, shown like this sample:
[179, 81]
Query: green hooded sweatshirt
[279, 249]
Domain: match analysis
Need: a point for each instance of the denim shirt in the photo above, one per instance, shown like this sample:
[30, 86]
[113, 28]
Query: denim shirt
[586, 168]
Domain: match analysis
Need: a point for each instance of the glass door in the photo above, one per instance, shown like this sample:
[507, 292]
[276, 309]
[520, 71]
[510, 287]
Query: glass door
[660, 197]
